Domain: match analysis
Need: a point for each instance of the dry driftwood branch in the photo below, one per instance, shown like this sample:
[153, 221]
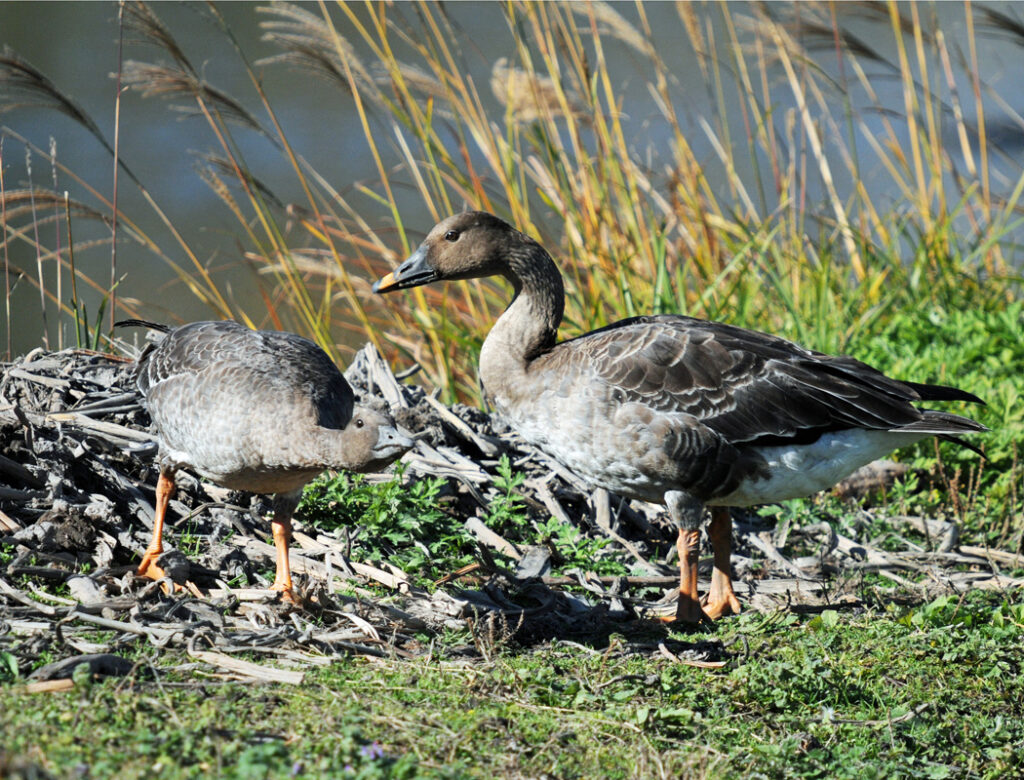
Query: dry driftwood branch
[764, 543]
[247, 669]
[488, 445]
[1014, 560]
[479, 529]
[689, 661]
[13, 594]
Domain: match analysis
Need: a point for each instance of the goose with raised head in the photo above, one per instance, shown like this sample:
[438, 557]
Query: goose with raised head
[672, 409]
[255, 410]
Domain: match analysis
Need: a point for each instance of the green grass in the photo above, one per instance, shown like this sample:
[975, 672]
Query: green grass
[932, 692]
[981, 350]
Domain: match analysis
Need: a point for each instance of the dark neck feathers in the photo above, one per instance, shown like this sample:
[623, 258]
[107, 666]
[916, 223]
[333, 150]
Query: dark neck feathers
[532, 318]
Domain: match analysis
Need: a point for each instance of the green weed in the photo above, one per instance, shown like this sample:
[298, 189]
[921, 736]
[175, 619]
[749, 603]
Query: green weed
[576, 550]
[404, 522]
[190, 542]
[506, 512]
[398, 521]
[8, 667]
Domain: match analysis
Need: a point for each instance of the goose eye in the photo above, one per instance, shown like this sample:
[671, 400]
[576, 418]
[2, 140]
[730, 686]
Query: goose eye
[451, 235]
[360, 423]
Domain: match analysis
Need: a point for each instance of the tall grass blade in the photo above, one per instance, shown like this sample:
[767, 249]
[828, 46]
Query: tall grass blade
[117, 158]
[7, 256]
[76, 305]
[39, 253]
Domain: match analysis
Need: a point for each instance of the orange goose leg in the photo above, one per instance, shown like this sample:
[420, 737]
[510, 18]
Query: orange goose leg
[686, 512]
[281, 526]
[148, 567]
[688, 609]
[721, 599]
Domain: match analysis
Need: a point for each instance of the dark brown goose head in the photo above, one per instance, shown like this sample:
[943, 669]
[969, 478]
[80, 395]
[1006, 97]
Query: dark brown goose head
[476, 244]
[469, 245]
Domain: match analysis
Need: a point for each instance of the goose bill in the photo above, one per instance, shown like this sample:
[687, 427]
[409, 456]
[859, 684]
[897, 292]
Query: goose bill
[391, 443]
[412, 273]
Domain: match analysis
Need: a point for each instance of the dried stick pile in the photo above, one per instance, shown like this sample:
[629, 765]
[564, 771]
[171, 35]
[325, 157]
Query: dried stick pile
[77, 485]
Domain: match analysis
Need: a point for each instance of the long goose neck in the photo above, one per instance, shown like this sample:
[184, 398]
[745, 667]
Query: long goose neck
[532, 318]
[529, 325]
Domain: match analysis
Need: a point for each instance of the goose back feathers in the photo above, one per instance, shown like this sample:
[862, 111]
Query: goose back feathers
[264, 411]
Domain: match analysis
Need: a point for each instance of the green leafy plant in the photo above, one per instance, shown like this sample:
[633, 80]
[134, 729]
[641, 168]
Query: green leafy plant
[579, 551]
[8, 667]
[969, 611]
[506, 512]
[398, 521]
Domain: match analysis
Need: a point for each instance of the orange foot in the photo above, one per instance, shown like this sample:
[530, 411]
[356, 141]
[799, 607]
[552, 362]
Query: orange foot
[688, 609]
[148, 568]
[287, 592]
[152, 571]
[721, 600]
[688, 612]
[288, 596]
[725, 605]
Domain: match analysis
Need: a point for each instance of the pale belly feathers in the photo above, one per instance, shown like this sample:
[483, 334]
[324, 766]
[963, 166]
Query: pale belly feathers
[236, 474]
[600, 454]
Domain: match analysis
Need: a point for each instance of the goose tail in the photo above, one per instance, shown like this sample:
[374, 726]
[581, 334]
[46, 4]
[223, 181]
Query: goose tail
[947, 426]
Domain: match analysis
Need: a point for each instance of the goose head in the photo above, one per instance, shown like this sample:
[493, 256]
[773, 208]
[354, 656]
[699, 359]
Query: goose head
[469, 245]
[372, 441]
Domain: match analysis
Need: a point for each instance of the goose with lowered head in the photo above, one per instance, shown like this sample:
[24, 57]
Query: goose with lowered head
[256, 410]
[672, 409]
